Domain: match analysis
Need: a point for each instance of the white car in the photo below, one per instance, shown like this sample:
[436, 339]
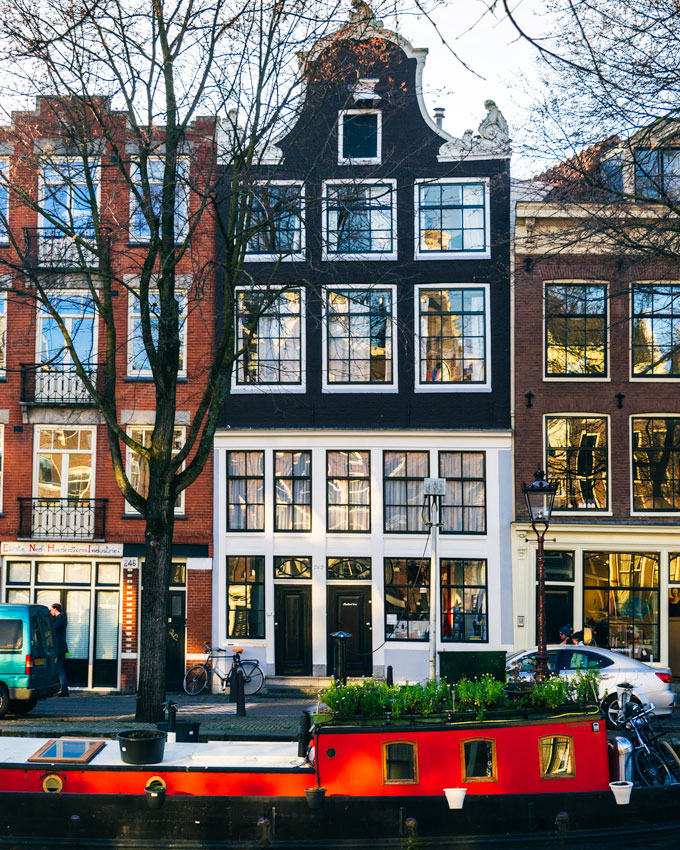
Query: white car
[650, 684]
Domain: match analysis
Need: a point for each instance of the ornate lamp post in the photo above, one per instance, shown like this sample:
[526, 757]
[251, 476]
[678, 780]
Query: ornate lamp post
[540, 495]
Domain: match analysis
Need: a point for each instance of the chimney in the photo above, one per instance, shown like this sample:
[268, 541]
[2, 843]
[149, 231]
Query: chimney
[439, 115]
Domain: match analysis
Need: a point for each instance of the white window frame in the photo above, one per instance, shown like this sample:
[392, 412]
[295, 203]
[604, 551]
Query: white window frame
[393, 385]
[36, 452]
[451, 255]
[249, 389]
[4, 171]
[462, 387]
[129, 509]
[648, 514]
[367, 160]
[95, 169]
[654, 379]
[297, 256]
[181, 291]
[141, 239]
[373, 256]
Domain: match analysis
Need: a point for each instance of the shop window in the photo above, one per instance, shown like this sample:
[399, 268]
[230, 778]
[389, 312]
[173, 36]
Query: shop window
[575, 330]
[348, 569]
[404, 473]
[656, 464]
[293, 491]
[359, 137]
[271, 337]
[245, 597]
[463, 508]
[349, 491]
[108, 574]
[300, 568]
[463, 600]
[478, 760]
[556, 754]
[400, 763]
[245, 491]
[452, 218]
[655, 337]
[18, 572]
[577, 461]
[407, 599]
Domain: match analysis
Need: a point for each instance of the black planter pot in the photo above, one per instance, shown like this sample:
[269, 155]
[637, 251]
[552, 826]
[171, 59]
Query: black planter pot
[186, 732]
[315, 797]
[141, 746]
[155, 794]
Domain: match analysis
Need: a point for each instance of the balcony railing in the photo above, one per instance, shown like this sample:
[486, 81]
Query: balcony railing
[48, 248]
[73, 519]
[55, 385]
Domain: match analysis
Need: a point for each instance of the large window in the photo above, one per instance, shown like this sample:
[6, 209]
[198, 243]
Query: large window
[359, 137]
[67, 199]
[463, 608]
[360, 220]
[142, 225]
[359, 336]
[452, 336]
[575, 330]
[275, 221]
[464, 505]
[245, 491]
[407, 599]
[76, 312]
[138, 359]
[65, 463]
[349, 491]
[656, 464]
[621, 602]
[293, 491]
[271, 339]
[138, 467]
[452, 218]
[656, 330]
[245, 597]
[4, 199]
[577, 460]
[657, 174]
[404, 473]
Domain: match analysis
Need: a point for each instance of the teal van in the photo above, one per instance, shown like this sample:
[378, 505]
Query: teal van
[28, 657]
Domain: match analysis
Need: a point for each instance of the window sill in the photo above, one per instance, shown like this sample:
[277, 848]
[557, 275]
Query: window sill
[148, 379]
[139, 516]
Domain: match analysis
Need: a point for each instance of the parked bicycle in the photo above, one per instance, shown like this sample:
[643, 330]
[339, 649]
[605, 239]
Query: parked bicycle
[199, 677]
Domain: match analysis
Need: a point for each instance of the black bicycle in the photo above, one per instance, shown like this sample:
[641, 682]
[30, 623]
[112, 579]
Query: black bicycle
[199, 677]
[655, 760]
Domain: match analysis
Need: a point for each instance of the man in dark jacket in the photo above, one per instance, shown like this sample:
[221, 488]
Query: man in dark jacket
[60, 623]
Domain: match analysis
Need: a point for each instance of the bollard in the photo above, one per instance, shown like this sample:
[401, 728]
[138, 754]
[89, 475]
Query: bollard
[74, 827]
[340, 656]
[240, 695]
[389, 676]
[233, 684]
[303, 735]
[171, 713]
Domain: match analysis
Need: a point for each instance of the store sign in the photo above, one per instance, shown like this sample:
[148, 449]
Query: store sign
[111, 550]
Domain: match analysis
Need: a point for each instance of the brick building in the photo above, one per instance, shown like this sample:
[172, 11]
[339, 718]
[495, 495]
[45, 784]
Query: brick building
[66, 532]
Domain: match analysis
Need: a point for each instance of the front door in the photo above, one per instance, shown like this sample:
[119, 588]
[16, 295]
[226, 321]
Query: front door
[349, 610]
[293, 630]
[175, 667]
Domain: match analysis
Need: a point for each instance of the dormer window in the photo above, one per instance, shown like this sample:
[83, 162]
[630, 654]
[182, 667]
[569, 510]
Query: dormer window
[359, 137]
[657, 174]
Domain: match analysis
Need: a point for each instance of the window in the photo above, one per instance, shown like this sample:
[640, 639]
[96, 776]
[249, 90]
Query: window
[3, 332]
[452, 328]
[276, 215]
[349, 491]
[245, 491]
[407, 599]
[559, 593]
[155, 172]
[65, 463]
[404, 474]
[11, 635]
[348, 569]
[478, 760]
[452, 219]
[657, 174]
[76, 311]
[272, 339]
[2, 463]
[400, 763]
[293, 491]
[360, 220]
[656, 464]
[285, 567]
[621, 602]
[359, 324]
[245, 597]
[576, 450]
[463, 508]
[138, 468]
[556, 757]
[359, 137]
[138, 358]
[463, 588]
[67, 199]
[575, 330]
[67, 750]
[4, 199]
[656, 330]
[581, 659]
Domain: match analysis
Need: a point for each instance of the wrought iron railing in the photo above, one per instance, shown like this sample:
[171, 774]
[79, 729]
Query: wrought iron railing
[48, 248]
[75, 519]
[54, 384]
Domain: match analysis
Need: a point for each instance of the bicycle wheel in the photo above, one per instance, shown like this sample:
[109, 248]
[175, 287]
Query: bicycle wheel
[253, 678]
[650, 768]
[196, 680]
[670, 756]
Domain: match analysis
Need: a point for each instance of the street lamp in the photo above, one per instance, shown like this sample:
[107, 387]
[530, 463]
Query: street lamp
[540, 495]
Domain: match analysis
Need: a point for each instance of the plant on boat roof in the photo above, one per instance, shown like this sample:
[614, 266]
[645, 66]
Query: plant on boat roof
[482, 693]
[584, 688]
[552, 692]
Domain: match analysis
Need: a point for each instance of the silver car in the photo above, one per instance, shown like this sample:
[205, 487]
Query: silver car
[650, 684]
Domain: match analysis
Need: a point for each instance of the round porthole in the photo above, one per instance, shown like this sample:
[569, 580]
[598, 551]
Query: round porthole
[52, 783]
[330, 752]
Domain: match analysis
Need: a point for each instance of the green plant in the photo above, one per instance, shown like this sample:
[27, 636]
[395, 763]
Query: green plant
[584, 687]
[550, 693]
[481, 694]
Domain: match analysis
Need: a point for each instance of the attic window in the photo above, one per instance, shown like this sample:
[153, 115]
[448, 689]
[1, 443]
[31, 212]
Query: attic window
[657, 173]
[359, 137]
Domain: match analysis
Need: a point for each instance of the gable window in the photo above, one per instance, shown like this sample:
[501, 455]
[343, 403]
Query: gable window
[656, 464]
[556, 757]
[656, 330]
[453, 328]
[155, 172]
[276, 215]
[575, 330]
[577, 461]
[463, 509]
[452, 218]
[478, 760]
[138, 467]
[349, 491]
[359, 137]
[245, 597]
[463, 588]
[138, 359]
[272, 339]
[407, 599]
[403, 480]
[657, 174]
[360, 220]
[245, 491]
[359, 333]
[293, 491]
[400, 763]
[4, 199]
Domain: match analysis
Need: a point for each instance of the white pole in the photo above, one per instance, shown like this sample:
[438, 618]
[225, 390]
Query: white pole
[434, 584]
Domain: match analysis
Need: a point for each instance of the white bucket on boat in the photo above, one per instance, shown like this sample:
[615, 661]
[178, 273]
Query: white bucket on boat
[455, 797]
[621, 790]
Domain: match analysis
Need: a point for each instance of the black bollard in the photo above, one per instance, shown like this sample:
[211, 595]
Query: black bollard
[171, 715]
[389, 676]
[233, 684]
[303, 735]
[240, 694]
[74, 828]
[340, 656]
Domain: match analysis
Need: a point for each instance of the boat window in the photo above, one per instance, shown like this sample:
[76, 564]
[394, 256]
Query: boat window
[78, 750]
[400, 762]
[557, 756]
[478, 760]
[11, 635]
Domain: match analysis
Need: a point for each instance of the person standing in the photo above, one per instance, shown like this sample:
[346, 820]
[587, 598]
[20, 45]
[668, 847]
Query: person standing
[60, 623]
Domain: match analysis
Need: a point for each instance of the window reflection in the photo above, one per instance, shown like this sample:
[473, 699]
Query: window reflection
[577, 461]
